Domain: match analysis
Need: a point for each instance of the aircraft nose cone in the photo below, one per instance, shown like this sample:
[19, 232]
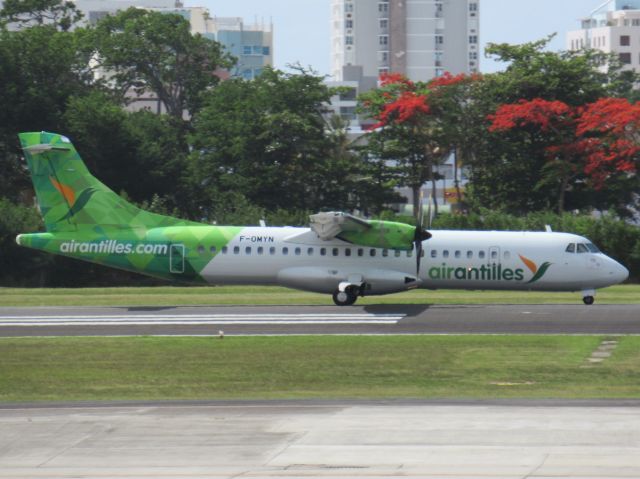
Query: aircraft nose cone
[618, 272]
[624, 273]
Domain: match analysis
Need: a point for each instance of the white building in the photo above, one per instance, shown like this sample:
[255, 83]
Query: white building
[419, 38]
[613, 27]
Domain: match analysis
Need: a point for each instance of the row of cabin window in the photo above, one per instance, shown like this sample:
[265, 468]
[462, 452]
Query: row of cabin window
[260, 250]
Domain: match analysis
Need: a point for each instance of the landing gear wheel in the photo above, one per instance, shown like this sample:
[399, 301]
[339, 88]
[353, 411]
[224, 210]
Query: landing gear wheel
[588, 300]
[344, 298]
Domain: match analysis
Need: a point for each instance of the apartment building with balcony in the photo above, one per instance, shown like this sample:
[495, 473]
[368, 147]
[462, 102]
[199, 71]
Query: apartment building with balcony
[612, 27]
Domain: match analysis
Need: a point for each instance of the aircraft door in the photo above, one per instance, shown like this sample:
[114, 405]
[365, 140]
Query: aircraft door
[494, 255]
[176, 258]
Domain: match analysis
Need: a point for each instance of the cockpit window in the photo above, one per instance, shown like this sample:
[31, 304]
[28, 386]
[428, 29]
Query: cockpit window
[582, 248]
[571, 248]
[593, 248]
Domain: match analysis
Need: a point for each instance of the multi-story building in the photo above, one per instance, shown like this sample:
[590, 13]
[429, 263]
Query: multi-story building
[250, 44]
[613, 27]
[419, 38]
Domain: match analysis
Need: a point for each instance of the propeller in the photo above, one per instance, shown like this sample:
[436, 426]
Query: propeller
[421, 234]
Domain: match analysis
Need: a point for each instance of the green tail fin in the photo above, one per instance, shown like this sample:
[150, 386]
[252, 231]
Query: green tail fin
[70, 198]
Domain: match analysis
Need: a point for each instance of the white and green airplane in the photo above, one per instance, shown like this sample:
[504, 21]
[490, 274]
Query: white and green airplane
[339, 254]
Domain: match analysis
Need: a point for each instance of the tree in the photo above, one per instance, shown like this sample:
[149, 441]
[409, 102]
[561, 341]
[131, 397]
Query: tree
[138, 153]
[40, 69]
[62, 14]
[153, 51]
[611, 131]
[594, 142]
[506, 169]
[268, 140]
[415, 129]
[552, 124]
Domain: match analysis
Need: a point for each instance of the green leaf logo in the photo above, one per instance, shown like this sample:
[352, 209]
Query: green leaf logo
[540, 273]
[80, 203]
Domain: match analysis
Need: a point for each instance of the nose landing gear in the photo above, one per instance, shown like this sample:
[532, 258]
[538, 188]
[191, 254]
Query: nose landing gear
[588, 296]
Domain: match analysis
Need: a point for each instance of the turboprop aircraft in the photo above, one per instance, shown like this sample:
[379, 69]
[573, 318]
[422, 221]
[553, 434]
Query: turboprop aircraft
[338, 254]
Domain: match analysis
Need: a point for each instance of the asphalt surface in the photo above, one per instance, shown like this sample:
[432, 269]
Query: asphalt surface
[285, 320]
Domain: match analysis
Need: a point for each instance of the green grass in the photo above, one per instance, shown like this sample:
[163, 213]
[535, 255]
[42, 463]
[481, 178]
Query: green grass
[270, 295]
[70, 369]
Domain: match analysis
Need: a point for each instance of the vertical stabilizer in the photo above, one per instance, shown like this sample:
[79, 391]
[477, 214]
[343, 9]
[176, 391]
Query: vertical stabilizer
[70, 198]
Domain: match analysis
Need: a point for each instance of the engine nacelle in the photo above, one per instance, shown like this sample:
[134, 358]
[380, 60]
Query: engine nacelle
[371, 282]
[371, 233]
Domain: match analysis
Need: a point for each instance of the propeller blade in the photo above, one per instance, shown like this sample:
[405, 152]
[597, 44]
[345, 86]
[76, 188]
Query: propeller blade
[420, 234]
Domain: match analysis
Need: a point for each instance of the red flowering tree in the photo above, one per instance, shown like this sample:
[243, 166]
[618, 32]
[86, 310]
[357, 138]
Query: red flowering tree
[411, 126]
[551, 124]
[598, 140]
[610, 129]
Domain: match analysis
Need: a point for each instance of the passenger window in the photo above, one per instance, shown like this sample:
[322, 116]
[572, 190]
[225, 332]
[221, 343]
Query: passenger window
[272, 250]
[335, 252]
[582, 248]
[236, 250]
[224, 250]
[445, 253]
[247, 250]
[571, 248]
[397, 253]
[469, 254]
[360, 252]
[434, 253]
[372, 253]
[458, 254]
[410, 254]
[310, 252]
[385, 252]
[212, 250]
[323, 251]
[347, 252]
[494, 255]
[285, 251]
[507, 255]
[260, 250]
[481, 255]
[200, 249]
[298, 251]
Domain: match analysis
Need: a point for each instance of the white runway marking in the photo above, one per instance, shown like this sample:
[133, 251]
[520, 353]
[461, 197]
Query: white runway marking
[197, 319]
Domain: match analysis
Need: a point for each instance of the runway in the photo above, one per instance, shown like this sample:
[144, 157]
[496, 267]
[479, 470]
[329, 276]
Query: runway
[506, 440]
[287, 320]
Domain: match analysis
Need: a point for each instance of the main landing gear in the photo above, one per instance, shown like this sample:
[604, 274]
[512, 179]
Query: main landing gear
[344, 298]
[588, 300]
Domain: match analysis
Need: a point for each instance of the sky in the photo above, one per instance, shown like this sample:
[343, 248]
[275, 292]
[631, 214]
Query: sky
[302, 33]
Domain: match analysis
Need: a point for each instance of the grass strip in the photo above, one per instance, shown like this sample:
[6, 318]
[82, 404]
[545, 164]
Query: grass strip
[327, 367]
[273, 295]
